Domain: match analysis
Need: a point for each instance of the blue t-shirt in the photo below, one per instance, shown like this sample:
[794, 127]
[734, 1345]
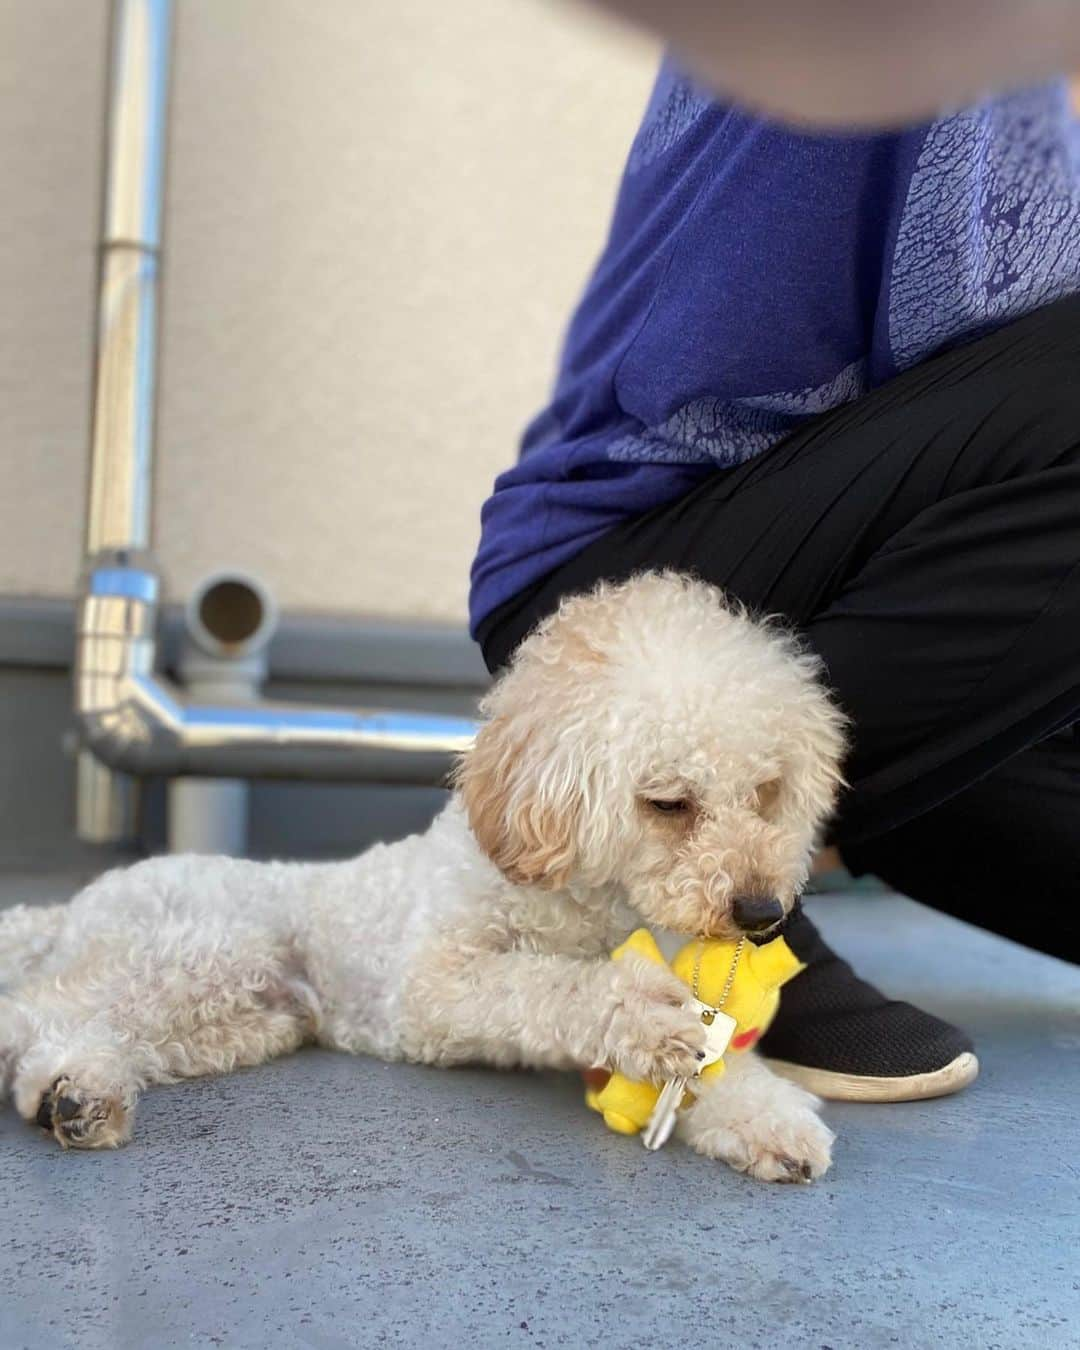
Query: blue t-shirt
[755, 276]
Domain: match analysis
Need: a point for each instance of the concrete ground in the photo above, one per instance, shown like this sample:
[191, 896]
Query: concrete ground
[330, 1202]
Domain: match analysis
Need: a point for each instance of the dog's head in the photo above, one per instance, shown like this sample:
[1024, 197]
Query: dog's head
[650, 736]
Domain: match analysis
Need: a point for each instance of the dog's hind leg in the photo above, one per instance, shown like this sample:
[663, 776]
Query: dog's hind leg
[104, 1031]
[15, 1034]
[27, 936]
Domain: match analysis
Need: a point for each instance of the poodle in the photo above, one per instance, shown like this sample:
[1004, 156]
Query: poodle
[653, 754]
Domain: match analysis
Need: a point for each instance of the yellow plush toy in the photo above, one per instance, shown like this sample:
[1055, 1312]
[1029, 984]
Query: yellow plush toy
[752, 977]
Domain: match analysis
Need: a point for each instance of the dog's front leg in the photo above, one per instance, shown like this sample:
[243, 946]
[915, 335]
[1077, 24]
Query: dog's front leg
[759, 1123]
[522, 1008]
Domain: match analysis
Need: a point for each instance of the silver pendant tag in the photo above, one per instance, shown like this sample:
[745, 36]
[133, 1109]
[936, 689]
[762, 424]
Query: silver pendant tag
[719, 1029]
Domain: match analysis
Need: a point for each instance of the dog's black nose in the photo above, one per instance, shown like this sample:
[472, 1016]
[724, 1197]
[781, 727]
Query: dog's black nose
[755, 913]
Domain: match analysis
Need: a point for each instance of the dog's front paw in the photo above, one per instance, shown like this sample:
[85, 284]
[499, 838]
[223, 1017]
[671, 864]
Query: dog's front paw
[653, 1034]
[792, 1145]
[796, 1149]
[759, 1124]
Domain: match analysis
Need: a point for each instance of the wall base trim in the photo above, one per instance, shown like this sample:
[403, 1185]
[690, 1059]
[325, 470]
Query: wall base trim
[38, 631]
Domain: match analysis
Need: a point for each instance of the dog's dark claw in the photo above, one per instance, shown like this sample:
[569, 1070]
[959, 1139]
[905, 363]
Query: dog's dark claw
[67, 1108]
[797, 1171]
[52, 1108]
[44, 1115]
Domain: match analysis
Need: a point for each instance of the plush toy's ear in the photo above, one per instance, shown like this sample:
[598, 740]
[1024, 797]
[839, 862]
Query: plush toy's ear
[523, 812]
[774, 963]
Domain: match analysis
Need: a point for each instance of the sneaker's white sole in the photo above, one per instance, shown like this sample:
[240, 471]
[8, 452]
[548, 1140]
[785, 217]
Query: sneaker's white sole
[850, 1087]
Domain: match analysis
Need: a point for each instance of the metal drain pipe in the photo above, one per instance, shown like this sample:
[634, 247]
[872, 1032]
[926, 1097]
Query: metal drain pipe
[131, 720]
[125, 360]
[229, 620]
[136, 721]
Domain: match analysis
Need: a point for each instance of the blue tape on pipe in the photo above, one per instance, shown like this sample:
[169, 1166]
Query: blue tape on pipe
[130, 582]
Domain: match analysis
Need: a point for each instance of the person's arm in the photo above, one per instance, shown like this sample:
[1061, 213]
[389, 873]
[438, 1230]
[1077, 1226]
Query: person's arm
[872, 62]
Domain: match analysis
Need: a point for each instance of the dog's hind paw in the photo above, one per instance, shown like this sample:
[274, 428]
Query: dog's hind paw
[77, 1118]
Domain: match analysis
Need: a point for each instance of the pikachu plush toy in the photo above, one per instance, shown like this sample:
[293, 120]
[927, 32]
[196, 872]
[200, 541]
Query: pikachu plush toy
[736, 987]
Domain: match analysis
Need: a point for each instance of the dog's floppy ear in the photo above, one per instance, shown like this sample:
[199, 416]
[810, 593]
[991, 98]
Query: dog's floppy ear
[531, 770]
[523, 808]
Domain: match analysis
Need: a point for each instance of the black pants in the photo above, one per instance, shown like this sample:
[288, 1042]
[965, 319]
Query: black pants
[926, 539]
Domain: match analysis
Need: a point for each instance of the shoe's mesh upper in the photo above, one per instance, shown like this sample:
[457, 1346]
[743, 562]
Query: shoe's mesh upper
[830, 1019]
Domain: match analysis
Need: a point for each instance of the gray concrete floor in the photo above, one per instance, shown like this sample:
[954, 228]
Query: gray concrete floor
[333, 1202]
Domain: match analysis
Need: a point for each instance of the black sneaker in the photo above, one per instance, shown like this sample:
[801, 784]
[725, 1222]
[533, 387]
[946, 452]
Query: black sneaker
[840, 1038]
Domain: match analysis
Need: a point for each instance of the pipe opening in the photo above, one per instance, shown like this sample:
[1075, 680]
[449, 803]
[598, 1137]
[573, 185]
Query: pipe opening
[231, 612]
[231, 615]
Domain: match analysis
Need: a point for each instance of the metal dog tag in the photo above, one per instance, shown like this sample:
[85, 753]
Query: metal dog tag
[719, 1029]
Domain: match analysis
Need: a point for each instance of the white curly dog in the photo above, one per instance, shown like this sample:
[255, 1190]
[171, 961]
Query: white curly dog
[653, 754]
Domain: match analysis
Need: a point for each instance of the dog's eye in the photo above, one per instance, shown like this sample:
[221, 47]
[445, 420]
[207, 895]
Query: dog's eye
[668, 806]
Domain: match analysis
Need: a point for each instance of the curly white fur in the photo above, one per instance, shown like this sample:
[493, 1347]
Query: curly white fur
[484, 939]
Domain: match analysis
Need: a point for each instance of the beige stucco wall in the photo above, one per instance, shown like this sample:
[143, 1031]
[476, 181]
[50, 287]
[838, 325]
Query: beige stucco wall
[379, 214]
